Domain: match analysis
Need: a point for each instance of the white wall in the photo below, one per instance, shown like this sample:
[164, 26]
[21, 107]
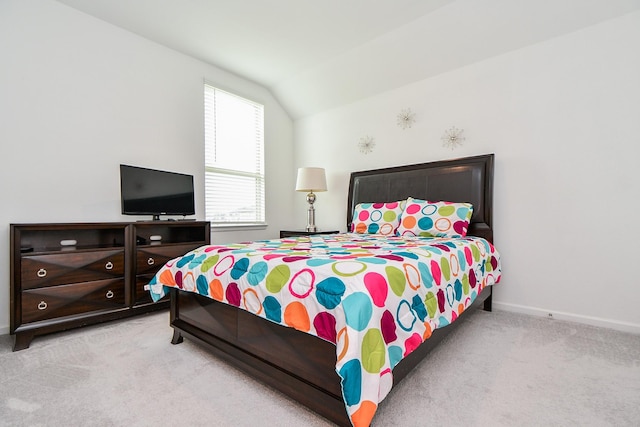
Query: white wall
[79, 96]
[562, 119]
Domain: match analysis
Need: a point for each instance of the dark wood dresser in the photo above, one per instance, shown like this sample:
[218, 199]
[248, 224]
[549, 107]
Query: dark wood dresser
[75, 274]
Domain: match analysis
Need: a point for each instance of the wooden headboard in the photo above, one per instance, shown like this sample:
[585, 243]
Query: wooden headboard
[468, 179]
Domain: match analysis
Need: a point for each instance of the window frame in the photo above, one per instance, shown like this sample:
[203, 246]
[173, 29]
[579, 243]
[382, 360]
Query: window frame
[258, 175]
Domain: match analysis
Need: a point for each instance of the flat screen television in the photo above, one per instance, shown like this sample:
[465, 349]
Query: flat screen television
[154, 192]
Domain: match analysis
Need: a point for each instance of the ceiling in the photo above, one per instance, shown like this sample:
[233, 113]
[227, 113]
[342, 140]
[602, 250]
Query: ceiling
[316, 55]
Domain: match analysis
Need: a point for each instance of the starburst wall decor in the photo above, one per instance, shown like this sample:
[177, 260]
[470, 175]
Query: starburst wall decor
[366, 144]
[452, 137]
[406, 118]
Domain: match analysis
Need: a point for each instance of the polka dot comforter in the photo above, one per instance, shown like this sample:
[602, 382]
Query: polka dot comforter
[377, 298]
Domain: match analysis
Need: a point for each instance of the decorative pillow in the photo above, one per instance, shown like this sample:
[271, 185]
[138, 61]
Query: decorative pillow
[377, 218]
[435, 219]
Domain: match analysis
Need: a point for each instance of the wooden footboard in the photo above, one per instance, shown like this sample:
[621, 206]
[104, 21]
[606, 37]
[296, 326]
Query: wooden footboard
[297, 364]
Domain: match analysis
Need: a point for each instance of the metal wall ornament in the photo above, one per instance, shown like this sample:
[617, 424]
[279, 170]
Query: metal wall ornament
[406, 118]
[452, 138]
[366, 144]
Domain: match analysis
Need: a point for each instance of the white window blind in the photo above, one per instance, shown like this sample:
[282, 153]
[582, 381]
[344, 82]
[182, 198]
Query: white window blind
[234, 159]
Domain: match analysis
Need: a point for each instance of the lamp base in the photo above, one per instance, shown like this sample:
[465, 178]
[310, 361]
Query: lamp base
[311, 213]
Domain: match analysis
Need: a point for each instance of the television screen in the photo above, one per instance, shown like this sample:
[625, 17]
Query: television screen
[155, 192]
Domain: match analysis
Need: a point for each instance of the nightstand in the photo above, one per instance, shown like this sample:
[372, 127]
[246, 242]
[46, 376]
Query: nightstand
[294, 233]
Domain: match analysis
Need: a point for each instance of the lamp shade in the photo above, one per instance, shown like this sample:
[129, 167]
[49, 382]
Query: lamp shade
[311, 179]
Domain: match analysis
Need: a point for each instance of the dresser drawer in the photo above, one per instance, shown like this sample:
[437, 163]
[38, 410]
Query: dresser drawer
[149, 259]
[72, 267]
[67, 300]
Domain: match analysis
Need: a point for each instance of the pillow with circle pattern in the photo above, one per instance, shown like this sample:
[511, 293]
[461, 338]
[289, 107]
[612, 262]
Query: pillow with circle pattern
[435, 219]
[377, 218]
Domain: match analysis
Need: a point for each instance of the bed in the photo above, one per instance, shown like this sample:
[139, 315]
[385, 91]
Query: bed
[359, 310]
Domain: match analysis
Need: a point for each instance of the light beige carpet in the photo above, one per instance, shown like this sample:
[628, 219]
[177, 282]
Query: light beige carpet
[497, 369]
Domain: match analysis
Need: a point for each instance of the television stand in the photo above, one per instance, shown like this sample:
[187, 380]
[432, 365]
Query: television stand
[156, 218]
[55, 287]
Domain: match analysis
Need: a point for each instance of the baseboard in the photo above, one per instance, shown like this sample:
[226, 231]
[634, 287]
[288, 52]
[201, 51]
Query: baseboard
[588, 320]
[538, 312]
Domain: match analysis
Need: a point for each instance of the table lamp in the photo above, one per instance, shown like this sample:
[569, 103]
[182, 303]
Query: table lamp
[310, 180]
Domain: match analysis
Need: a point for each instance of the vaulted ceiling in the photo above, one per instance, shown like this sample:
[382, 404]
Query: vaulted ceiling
[316, 55]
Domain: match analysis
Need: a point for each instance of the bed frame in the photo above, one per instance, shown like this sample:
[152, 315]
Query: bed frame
[303, 366]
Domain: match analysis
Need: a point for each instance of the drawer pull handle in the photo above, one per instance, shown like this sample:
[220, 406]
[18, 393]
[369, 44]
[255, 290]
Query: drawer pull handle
[42, 305]
[109, 265]
[42, 272]
[151, 261]
[109, 294]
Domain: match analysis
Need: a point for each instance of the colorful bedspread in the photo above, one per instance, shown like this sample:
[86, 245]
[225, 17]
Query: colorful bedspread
[377, 298]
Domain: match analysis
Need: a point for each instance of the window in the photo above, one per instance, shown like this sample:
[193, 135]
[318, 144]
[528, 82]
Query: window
[234, 159]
